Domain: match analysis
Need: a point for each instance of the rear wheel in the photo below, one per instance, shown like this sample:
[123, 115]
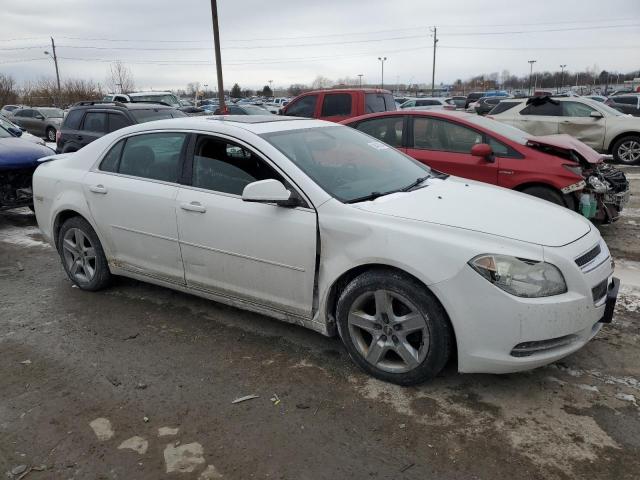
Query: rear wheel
[627, 150]
[51, 134]
[545, 193]
[82, 255]
[393, 327]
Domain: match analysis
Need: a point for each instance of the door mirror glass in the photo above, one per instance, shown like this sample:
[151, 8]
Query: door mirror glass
[39, 117]
[482, 150]
[268, 191]
[15, 131]
[595, 114]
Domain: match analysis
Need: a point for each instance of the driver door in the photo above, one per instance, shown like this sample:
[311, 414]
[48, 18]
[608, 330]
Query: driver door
[578, 122]
[258, 253]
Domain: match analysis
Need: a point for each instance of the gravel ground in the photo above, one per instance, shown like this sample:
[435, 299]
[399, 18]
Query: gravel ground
[137, 382]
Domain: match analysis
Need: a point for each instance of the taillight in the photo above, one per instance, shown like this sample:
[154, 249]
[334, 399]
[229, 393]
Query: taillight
[58, 135]
[608, 102]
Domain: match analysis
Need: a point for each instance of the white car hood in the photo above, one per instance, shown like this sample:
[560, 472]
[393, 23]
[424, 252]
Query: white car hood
[461, 203]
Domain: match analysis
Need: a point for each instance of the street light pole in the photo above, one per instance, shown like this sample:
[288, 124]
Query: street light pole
[360, 75]
[561, 77]
[216, 44]
[531, 62]
[382, 60]
[433, 71]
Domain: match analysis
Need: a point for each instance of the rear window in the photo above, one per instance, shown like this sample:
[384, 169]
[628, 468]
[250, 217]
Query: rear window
[626, 100]
[336, 104]
[502, 107]
[142, 116]
[73, 119]
[379, 102]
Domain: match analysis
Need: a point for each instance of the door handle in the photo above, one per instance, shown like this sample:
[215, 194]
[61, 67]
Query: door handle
[98, 189]
[193, 207]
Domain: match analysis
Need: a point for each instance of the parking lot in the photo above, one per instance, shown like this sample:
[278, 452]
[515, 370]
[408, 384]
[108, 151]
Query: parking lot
[138, 382]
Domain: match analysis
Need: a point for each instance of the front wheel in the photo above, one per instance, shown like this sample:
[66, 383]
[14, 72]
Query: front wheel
[393, 327]
[545, 193]
[51, 134]
[82, 255]
[627, 150]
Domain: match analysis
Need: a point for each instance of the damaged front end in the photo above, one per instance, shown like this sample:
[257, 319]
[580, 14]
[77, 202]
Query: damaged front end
[603, 191]
[15, 188]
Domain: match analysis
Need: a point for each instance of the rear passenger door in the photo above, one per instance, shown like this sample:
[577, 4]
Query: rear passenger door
[131, 195]
[336, 107]
[539, 118]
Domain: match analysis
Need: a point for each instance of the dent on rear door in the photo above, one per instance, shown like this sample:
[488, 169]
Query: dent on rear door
[586, 129]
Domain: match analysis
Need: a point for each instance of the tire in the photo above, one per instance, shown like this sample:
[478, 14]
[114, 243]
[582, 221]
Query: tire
[51, 134]
[82, 255]
[545, 193]
[393, 327]
[626, 150]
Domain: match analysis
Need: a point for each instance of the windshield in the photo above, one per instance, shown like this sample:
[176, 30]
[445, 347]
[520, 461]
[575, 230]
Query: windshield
[155, 114]
[4, 123]
[253, 110]
[603, 107]
[51, 112]
[168, 99]
[4, 133]
[346, 163]
[512, 133]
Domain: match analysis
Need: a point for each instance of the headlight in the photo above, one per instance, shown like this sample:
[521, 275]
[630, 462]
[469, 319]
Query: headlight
[519, 276]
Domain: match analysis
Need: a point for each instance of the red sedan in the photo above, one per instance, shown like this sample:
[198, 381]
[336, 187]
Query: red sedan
[557, 168]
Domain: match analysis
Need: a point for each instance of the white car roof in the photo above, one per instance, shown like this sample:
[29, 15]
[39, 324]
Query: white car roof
[257, 124]
[137, 94]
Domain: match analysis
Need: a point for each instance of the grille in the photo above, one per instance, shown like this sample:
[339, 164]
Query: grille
[600, 290]
[582, 260]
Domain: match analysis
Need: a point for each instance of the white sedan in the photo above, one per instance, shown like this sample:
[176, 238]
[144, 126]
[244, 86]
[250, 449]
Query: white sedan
[321, 225]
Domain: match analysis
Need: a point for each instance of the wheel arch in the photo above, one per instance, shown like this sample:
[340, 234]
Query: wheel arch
[346, 277]
[569, 200]
[618, 137]
[61, 217]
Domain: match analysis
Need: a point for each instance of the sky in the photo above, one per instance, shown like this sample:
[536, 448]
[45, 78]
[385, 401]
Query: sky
[169, 44]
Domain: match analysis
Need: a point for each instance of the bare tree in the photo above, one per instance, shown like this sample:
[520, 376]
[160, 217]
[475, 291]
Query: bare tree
[120, 79]
[8, 90]
[321, 82]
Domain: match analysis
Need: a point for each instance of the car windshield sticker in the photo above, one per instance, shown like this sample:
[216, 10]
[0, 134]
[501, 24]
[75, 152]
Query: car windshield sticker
[378, 145]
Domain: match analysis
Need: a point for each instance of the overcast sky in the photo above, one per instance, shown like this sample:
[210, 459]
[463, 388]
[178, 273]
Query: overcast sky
[168, 44]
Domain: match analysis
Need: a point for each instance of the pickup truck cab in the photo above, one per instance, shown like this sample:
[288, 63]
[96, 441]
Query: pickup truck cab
[339, 104]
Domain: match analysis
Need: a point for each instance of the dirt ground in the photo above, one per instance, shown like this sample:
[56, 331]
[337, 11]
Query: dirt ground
[137, 382]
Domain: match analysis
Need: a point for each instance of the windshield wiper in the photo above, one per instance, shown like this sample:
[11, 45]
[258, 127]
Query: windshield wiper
[371, 196]
[414, 184]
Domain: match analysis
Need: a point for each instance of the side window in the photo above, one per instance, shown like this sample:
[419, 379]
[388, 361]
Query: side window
[305, 107]
[546, 109]
[153, 155]
[95, 122]
[501, 150]
[336, 104]
[222, 166]
[626, 100]
[117, 121]
[26, 113]
[575, 109]
[388, 130]
[433, 134]
[110, 161]
[374, 102]
[73, 119]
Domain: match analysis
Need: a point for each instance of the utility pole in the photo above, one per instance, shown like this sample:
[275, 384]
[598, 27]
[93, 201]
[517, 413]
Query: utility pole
[270, 88]
[360, 75]
[561, 77]
[382, 60]
[216, 44]
[433, 72]
[531, 62]
[55, 61]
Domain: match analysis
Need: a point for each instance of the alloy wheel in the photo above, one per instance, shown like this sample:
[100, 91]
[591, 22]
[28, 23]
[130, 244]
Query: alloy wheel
[51, 135]
[629, 151]
[79, 255]
[388, 331]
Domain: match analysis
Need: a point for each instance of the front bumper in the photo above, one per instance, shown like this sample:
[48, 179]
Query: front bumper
[500, 333]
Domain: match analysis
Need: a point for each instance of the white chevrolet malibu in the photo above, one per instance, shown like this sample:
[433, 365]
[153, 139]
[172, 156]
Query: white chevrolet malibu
[320, 225]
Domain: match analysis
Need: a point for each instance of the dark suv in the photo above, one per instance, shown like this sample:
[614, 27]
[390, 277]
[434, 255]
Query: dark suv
[88, 121]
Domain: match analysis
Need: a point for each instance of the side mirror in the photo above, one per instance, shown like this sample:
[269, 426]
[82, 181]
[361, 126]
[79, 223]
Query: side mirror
[39, 117]
[15, 131]
[483, 150]
[595, 114]
[269, 191]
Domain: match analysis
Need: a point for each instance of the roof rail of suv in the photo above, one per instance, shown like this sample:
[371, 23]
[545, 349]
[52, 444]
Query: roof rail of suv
[98, 102]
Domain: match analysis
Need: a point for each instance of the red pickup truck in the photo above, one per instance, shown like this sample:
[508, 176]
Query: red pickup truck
[340, 104]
